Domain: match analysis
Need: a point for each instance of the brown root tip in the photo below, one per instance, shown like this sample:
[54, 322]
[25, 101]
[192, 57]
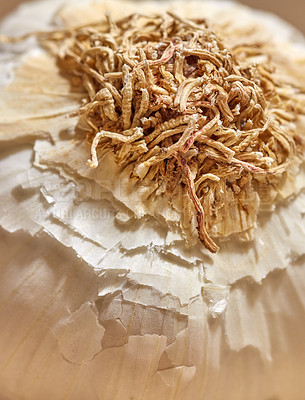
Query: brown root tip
[209, 244]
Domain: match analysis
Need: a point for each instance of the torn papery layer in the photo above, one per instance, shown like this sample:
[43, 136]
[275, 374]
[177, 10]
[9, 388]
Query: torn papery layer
[108, 306]
[55, 299]
[55, 202]
[225, 268]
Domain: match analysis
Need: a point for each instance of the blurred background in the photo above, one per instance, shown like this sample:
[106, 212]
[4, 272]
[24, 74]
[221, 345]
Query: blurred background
[292, 11]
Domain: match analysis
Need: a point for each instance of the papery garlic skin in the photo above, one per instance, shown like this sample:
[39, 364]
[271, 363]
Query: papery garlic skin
[96, 305]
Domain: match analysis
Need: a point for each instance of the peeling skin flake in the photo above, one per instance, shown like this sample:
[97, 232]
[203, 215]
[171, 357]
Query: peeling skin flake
[74, 343]
[216, 298]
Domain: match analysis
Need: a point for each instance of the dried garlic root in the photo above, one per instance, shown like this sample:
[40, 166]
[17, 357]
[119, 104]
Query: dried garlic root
[166, 96]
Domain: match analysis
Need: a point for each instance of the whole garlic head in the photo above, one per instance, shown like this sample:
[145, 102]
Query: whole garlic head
[105, 291]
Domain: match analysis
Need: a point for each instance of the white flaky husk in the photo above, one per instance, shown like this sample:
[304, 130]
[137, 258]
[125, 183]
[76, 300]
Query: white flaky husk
[97, 302]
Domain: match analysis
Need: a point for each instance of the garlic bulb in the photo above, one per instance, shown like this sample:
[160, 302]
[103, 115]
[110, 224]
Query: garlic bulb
[101, 297]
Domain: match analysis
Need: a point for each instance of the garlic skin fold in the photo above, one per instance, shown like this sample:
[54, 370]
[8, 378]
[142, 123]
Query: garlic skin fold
[97, 303]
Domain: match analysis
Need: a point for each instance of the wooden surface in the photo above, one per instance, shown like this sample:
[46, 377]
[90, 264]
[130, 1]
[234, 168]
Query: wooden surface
[293, 10]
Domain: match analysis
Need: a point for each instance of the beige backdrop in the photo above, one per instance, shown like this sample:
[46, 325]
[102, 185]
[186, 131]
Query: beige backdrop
[292, 10]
